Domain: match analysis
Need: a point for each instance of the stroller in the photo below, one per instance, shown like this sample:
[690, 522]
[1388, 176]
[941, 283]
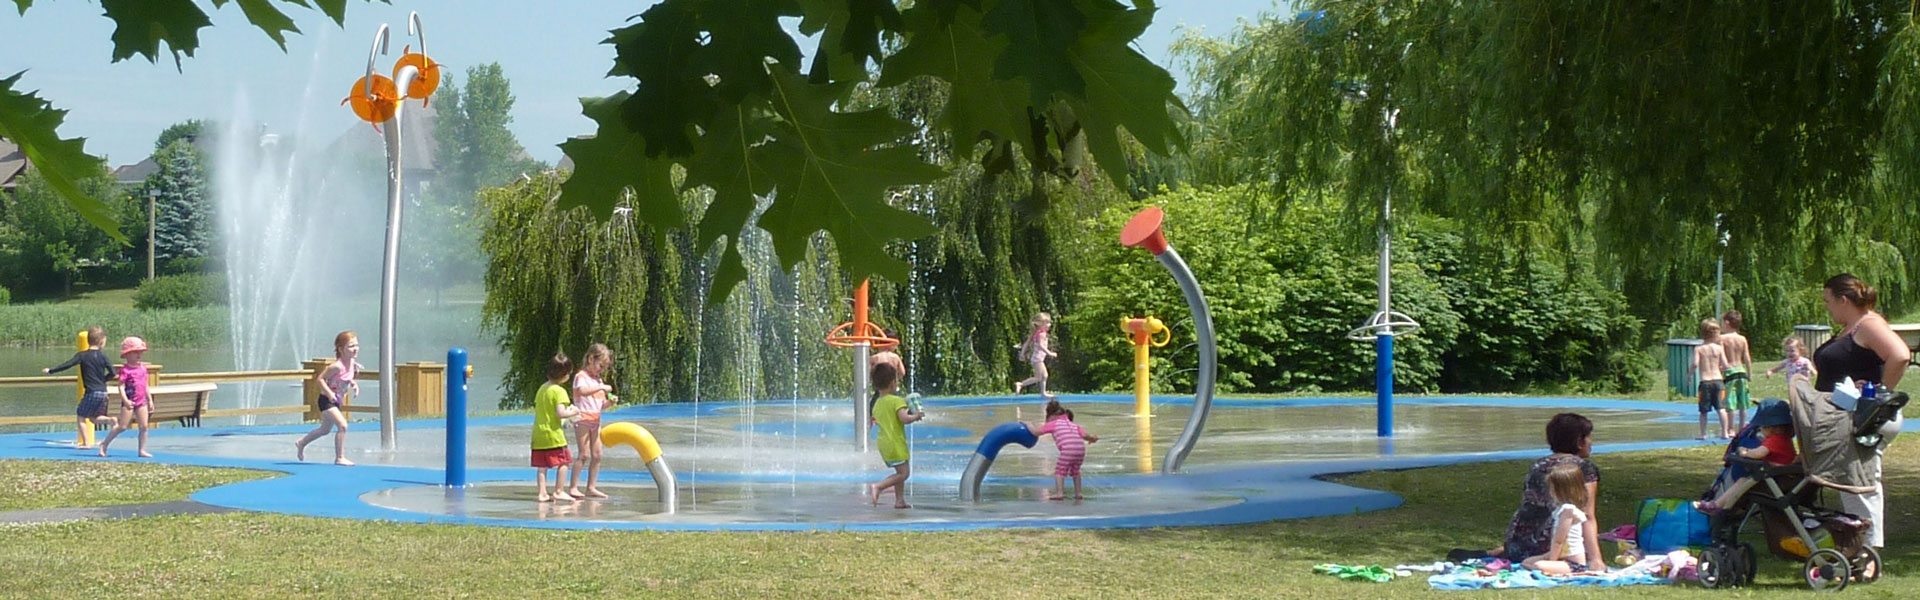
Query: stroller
[1834, 445]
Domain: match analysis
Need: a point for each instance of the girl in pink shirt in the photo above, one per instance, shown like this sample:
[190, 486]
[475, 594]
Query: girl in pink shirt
[1071, 440]
[590, 397]
[133, 386]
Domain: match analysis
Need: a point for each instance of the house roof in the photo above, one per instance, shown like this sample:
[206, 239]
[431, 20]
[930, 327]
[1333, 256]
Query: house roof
[13, 163]
[136, 173]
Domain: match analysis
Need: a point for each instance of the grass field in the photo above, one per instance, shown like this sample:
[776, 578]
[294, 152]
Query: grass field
[39, 484]
[253, 555]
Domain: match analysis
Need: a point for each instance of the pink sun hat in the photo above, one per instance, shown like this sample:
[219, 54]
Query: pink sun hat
[132, 344]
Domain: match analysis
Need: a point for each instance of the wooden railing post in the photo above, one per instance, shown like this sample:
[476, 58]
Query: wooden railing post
[422, 388]
[310, 389]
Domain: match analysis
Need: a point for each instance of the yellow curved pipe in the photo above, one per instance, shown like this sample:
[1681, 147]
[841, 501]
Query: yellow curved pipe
[633, 436]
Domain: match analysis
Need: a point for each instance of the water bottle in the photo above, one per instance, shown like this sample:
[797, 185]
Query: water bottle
[1866, 390]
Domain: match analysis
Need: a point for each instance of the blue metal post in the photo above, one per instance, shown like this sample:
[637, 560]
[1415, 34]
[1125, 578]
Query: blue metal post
[1383, 382]
[457, 418]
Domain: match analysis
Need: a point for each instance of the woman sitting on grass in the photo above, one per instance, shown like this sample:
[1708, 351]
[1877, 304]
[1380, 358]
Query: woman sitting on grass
[1570, 436]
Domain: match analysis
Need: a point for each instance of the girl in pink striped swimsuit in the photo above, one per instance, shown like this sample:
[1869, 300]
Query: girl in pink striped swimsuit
[590, 397]
[1071, 440]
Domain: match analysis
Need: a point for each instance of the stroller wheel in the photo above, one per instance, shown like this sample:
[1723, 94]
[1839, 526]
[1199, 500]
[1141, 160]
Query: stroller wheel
[1715, 569]
[1827, 571]
[1866, 565]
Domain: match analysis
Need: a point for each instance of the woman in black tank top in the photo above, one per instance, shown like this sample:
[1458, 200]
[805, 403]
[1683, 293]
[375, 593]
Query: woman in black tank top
[1841, 358]
[1867, 349]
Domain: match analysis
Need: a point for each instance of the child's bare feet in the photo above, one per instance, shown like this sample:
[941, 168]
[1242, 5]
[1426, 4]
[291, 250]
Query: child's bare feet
[595, 492]
[575, 492]
[1077, 497]
[342, 461]
[103, 452]
[902, 505]
[873, 493]
[146, 454]
[544, 497]
[560, 495]
[300, 452]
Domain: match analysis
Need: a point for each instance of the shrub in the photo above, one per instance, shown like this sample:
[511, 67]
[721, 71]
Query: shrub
[6, 297]
[1283, 297]
[1284, 293]
[181, 291]
[187, 265]
[53, 325]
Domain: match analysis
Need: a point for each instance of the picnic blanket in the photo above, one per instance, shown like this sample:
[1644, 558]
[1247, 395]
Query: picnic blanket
[1478, 575]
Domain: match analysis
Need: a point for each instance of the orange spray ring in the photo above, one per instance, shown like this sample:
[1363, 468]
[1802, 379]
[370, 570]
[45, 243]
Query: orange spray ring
[860, 330]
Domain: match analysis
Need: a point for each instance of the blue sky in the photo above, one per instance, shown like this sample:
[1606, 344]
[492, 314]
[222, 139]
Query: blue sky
[552, 55]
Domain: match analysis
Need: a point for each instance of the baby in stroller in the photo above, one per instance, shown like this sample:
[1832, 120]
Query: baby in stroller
[1765, 480]
[1768, 437]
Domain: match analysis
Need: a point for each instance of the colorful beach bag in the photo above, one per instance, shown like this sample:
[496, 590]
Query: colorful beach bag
[1667, 524]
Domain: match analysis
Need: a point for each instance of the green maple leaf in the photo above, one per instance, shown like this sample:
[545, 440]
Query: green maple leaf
[835, 170]
[741, 37]
[335, 9]
[948, 43]
[268, 19]
[663, 51]
[1039, 33]
[611, 163]
[140, 26]
[849, 35]
[1124, 91]
[23, 4]
[32, 123]
[728, 163]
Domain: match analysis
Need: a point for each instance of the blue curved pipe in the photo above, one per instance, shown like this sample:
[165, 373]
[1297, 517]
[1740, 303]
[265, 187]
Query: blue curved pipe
[989, 449]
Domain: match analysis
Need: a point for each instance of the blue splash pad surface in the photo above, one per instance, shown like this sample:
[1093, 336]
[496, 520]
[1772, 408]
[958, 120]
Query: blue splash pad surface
[1232, 492]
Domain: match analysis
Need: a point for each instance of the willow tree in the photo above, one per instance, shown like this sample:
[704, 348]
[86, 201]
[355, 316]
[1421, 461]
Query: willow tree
[1620, 128]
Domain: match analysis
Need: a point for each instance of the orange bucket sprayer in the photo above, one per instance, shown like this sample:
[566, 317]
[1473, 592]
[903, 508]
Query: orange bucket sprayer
[862, 336]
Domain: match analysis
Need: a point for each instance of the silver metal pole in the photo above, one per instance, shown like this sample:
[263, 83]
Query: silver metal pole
[1209, 359]
[1386, 252]
[862, 413]
[1719, 272]
[668, 486]
[390, 264]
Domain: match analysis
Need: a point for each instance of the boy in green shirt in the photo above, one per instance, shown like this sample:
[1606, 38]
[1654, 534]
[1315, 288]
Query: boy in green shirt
[892, 414]
[551, 405]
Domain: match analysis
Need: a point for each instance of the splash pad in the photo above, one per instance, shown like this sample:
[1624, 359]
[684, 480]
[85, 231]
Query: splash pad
[788, 466]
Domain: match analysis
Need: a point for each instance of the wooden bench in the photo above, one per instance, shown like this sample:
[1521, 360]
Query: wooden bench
[183, 402]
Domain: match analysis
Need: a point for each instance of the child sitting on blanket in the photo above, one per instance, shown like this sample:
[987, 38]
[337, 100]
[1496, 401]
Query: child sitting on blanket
[1575, 539]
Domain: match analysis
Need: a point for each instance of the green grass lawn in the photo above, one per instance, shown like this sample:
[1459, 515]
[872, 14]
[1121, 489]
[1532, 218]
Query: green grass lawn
[253, 555]
[45, 484]
[111, 298]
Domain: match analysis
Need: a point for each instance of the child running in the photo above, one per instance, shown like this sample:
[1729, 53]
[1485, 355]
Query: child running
[336, 385]
[590, 397]
[1739, 368]
[1710, 361]
[1575, 538]
[1036, 350]
[95, 370]
[1796, 364]
[1776, 448]
[552, 405]
[133, 386]
[1071, 441]
[892, 414]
